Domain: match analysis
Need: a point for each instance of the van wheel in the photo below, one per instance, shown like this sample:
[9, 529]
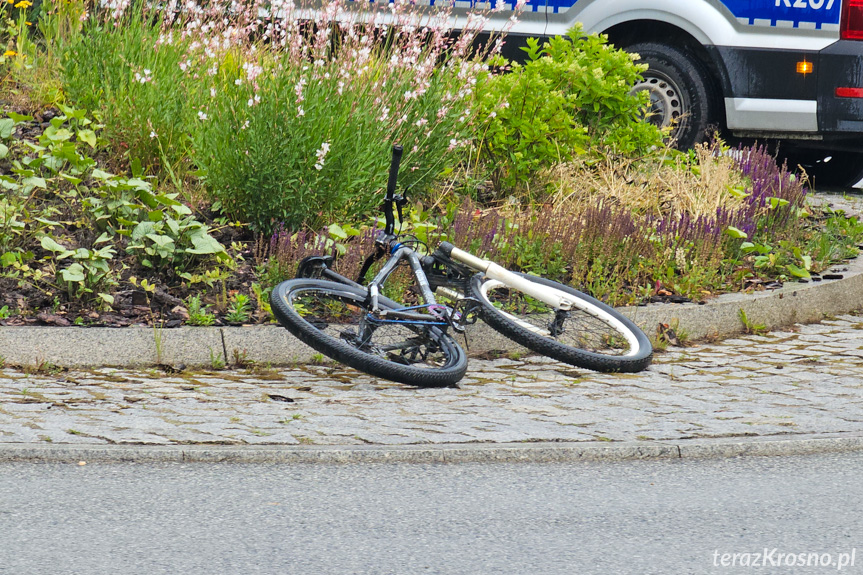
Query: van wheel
[681, 96]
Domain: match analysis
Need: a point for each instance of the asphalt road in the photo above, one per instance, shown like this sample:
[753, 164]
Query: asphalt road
[674, 517]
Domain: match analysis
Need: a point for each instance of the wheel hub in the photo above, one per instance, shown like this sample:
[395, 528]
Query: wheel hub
[666, 104]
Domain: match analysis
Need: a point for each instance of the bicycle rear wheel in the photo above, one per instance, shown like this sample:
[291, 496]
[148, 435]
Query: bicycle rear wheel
[334, 319]
[591, 335]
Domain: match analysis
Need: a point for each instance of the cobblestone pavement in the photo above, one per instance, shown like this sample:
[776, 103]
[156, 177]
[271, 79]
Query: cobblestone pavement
[802, 381]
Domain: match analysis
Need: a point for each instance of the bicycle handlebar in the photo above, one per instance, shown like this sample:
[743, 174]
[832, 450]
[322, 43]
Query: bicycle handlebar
[391, 189]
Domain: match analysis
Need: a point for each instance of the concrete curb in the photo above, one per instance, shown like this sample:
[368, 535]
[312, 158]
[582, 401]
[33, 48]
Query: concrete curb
[273, 345]
[552, 452]
[791, 304]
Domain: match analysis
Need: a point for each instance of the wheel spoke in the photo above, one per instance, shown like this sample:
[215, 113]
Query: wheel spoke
[339, 316]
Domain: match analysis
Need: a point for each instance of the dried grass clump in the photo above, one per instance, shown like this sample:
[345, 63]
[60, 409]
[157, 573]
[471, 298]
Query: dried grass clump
[699, 184]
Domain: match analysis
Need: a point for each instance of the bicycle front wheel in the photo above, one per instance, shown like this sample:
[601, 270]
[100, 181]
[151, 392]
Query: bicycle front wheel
[591, 334]
[334, 319]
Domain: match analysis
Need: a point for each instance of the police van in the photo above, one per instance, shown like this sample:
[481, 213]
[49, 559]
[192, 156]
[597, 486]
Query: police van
[787, 71]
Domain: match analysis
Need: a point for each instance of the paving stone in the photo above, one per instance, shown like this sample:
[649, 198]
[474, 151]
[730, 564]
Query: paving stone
[727, 389]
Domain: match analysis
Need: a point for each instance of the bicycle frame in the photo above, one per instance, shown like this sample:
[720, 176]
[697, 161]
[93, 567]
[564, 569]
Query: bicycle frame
[367, 338]
[446, 255]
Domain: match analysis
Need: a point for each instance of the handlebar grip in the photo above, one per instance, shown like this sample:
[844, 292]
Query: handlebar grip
[446, 248]
[394, 170]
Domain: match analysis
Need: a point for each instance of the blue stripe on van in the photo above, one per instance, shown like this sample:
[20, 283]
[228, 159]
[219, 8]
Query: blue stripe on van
[819, 12]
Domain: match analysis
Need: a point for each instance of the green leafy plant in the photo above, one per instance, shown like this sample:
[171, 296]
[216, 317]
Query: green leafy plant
[573, 92]
[262, 298]
[90, 271]
[198, 314]
[143, 89]
[216, 360]
[749, 326]
[162, 232]
[239, 309]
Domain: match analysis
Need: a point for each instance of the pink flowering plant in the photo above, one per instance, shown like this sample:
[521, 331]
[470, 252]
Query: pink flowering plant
[140, 69]
[300, 125]
[286, 122]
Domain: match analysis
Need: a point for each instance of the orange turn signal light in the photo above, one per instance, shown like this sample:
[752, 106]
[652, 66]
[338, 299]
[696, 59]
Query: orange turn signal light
[805, 67]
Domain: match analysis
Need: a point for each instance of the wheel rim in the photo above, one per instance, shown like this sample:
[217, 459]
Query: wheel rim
[666, 100]
[586, 328]
[340, 317]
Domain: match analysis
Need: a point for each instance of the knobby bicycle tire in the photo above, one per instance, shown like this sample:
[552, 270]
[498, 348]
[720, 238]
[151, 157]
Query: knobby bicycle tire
[333, 319]
[591, 335]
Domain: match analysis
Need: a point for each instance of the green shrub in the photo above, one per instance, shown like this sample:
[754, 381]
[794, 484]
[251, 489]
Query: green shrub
[573, 93]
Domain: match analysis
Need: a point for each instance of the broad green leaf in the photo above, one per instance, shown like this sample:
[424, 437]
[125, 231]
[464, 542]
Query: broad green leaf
[205, 244]
[155, 216]
[54, 163]
[71, 179]
[9, 183]
[109, 299]
[173, 226]
[6, 125]
[100, 175]
[142, 229]
[139, 183]
[105, 237]
[736, 233]
[161, 241]
[8, 259]
[137, 170]
[350, 230]
[35, 182]
[35, 147]
[778, 203]
[68, 111]
[4, 151]
[18, 118]
[147, 198]
[797, 272]
[106, 254]
[74, 273]
[47, 222]
[167, 199]
[49, 244]
[337, 231]
[61, 135]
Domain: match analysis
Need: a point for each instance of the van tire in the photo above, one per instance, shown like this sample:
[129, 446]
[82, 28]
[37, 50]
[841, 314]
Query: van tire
[681, 92]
